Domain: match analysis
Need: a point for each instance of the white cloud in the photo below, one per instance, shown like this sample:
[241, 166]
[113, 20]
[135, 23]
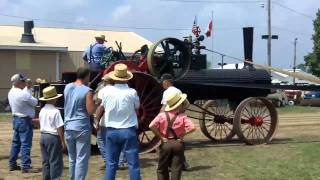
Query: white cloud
[81, 20]
[121, 12]
[76, 3]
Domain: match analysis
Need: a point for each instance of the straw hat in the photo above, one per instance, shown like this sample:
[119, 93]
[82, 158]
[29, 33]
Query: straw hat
[101, 37]
[40, 81]
[120, 73]
[49, 93]
[174, 100]
[106, 77]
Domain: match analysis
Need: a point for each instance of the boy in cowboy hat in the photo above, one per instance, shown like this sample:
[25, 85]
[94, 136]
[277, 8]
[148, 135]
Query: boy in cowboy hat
[52, 138]
[171, 126]
[119, 104]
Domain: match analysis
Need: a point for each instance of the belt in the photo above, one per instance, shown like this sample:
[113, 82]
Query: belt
[25, 117]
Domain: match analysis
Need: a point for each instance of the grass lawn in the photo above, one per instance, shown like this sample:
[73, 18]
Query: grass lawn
[293, 155]
[298, 109]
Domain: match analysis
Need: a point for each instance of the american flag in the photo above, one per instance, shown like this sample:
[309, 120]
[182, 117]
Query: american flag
[195, 29]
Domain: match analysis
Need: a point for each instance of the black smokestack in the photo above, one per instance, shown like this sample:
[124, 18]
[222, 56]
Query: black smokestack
[27, 36]
[248, 45]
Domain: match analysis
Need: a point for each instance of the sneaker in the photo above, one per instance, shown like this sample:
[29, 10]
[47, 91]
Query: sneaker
[31, 170]
[122, 166]
[14, 168]
[186, 166]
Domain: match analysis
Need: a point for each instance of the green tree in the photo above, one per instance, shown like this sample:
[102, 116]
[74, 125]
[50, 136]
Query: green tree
[302, 67]
[313, 59]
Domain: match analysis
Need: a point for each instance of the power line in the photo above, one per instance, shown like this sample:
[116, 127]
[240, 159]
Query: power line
[294, 32]
[142, 28]
[293, 10]
[117, 27]
[216, 1]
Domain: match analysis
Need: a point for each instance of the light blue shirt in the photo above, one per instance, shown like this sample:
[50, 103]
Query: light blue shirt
[94, 54]
[76, 116]
[22, 103]
[120, 103]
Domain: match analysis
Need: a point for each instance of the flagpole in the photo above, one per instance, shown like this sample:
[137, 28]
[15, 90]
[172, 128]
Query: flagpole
[212, 40]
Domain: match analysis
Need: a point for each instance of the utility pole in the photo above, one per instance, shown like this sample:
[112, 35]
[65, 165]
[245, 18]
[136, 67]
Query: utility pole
[212, 40]
[295, 59]
[269, 33]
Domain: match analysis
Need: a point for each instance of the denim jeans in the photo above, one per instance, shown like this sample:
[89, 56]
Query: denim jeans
[101, 135]
[52, 157]
[22, 140]
[79, 147]
[125, 140]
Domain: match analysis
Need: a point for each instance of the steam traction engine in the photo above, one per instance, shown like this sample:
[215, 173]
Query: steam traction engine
[235, 103]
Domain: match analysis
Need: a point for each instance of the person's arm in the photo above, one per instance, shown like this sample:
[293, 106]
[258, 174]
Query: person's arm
[136, 101]
[188, 125]
[154, 127]
[30, 99]
[99, 113]
[59, 123]
[85, 55]
[89, 103]
[61, 136]
[158, 134]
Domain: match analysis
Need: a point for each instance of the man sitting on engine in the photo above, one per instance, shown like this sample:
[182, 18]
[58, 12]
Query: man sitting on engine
[94, 53]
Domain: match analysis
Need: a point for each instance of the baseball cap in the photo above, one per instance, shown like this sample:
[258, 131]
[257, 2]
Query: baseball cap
[166, 76]
[18, 77]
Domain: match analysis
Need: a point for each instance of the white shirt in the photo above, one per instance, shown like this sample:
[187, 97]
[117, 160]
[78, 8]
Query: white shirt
[100, 95]
[120, 103]
[168, 91]
[28, 90]
[22, 103]
[50, 119]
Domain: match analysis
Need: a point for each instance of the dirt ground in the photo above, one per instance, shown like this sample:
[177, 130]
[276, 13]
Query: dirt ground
[297, 133]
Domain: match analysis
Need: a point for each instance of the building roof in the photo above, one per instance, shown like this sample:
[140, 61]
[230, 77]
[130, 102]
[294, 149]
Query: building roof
[73, 39]
[7, 42]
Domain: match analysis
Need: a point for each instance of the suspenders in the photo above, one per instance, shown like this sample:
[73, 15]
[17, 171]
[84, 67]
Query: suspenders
[170, 130]
[91, 58]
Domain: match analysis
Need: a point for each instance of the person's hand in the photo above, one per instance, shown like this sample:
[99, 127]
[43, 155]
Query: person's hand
[64, 147]
[98, 126]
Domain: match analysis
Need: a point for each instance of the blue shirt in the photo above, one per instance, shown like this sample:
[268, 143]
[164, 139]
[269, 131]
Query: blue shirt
[120, 103]
[93, 54]
[76, 116]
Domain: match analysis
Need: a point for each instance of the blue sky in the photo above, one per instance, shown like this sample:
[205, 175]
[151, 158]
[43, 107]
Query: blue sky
[229, 18]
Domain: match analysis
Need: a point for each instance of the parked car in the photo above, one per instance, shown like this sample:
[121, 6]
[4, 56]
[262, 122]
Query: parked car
[312, 95]
[311, 98]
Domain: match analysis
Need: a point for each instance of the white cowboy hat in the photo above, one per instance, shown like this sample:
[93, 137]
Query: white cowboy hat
[120, 73]
[49, 93]
[174, 100]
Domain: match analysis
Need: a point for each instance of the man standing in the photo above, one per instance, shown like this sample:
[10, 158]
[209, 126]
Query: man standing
[22, 106]
[167, 84]
[78, 106]
[101, 132]
[120, 103]
[94, 53]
